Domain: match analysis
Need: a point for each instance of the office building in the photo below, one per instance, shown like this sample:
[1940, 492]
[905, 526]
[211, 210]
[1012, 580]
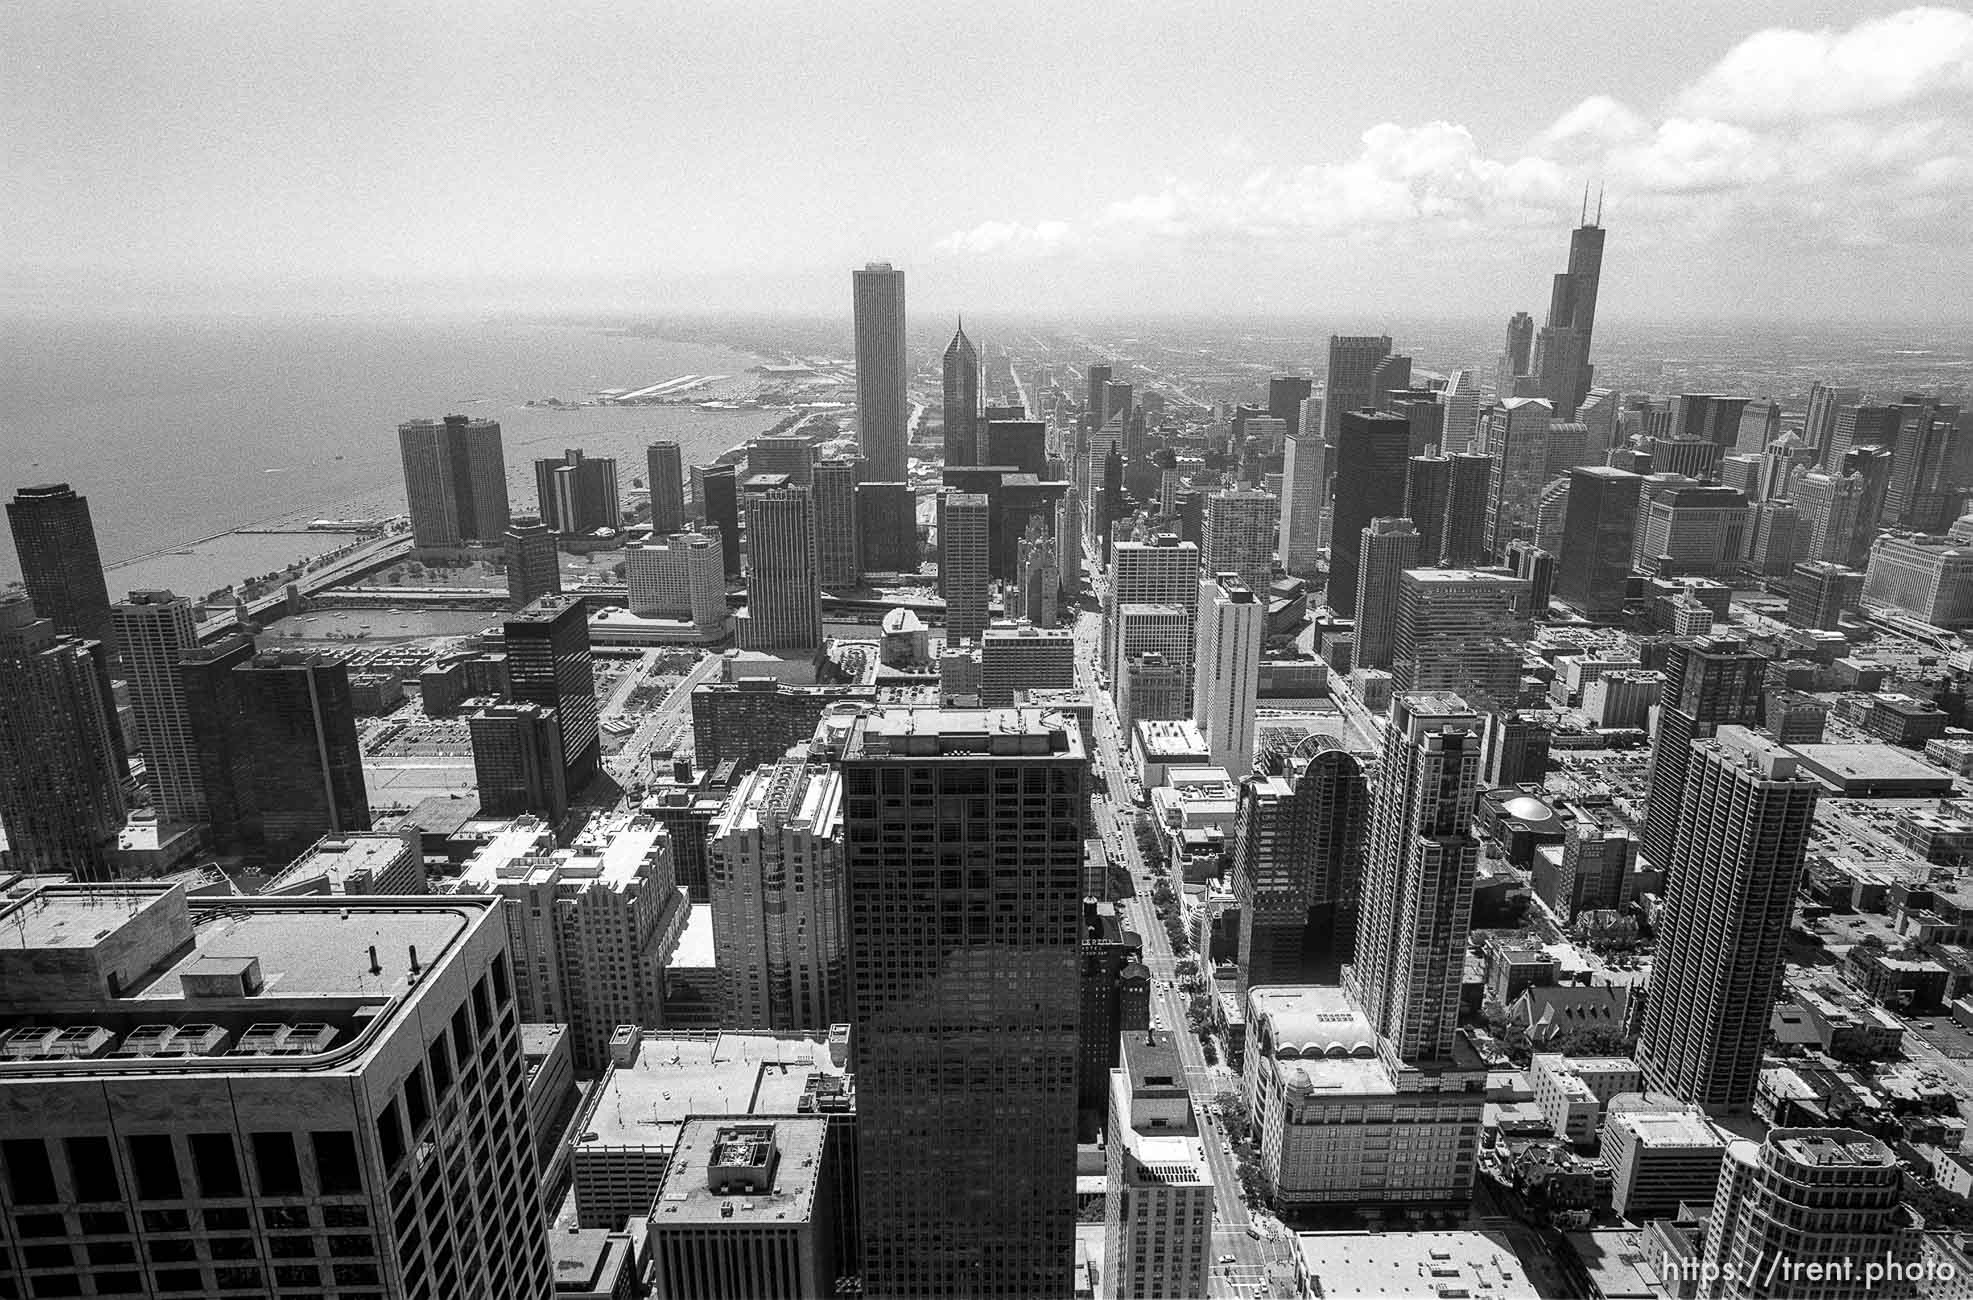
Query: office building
[881, 369]
[1297, 861]
[960, 368]
[665, 472]
[1162, 571]
[1116, 999]
[1859, 424]
[1593, 871]
[1389, 547]
[1708, 681]
[1021, 656]
[518, 764]
[578, 493]
[717, 490]
[548, 663]
[1516, 435]
[1821, 591]
[1372, 450]
[1662, 1154]
[55, 542]
[1285, 397]
[682, 576]
[1343, 1124]
[1232, 625]
[887, 517]
[1516, 356]
[1708, 417]
[1350, 384]
[1517, 747]
[1158, 1206]
[1819, 425]
[774, 864]
[964, 843]
[747, 1208]
[1037, 591]
[1461, 397]
[1926, 578]
[212, 707]
[455, 480]
[373, 862]
[963, 564]
[1427, 485]
[1097, 388]
[756, 719]
[534, 565]
[1831, 506]
[1736, 861]
[1241, 528]
[1460, 629]
[1465, 539]
[1695, 529]
[1597, 539]
[784, 594]
[591, 926]
[1304, 483]
[838, 529]
[153, 629]
[1534, 566]
[1561, 364]
[783, 453]
[1153, 642]
[63, 782]
[269, 1094]
[1419, 864]
[1815, 1206]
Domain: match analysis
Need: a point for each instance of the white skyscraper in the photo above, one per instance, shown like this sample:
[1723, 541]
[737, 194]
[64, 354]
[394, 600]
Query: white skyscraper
[1162, 571]
[963, 564]
[1304, 473]
[153, 630]
[1232, 626]
[1158, 1214]
[1462, 411]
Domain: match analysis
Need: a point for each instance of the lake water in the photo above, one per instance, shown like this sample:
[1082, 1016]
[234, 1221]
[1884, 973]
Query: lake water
[179, 429]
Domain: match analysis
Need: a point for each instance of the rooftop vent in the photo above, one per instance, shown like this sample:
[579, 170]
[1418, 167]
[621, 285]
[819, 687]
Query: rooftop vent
[222, 977]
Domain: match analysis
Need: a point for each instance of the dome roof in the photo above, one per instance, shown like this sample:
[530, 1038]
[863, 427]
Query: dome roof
[1527, 808]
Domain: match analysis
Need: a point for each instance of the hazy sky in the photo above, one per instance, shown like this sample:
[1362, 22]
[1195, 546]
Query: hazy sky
[1419, 158]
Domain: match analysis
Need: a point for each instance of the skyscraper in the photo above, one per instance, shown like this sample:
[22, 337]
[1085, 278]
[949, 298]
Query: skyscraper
[154, 629]
[1516, 356]
[292, 729]
[1741, 833]
[665, 472]
[518, 764]
[1708, 417]
[887, 517]
[194, 1130]
[212, 696]
[1299, 832]
[1389, 547]
[1709, 681]
[1232, 626]
[838, 528]
[1460, 629]
[1466, 508]
[455, 480]
[1561, 364]
[548, 663]
[1285, 395]
[1350, 384]
[60, 565]
[881, 369]
[534, 563]
[1804, 1212]
[1372, 449]
[1242, 525]
[578, 493]
[62, 776]
[1417, 889]
[719, 505]
[1304, 475]
[774, 864]
[784, 596]
[961, 371]
[1515, 434]
[783, 453]
[1162, 571]
[1819, 426]
[964, 857]
[1158, 1211]
[963, 564]
[1427, 490]
[1097, 391]
[1597, 536]
[1462, 411]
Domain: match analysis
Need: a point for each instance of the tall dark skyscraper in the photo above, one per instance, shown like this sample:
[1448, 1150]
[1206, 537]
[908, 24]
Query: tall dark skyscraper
[881, 370]
[1371, 451]
[1096, 395]
[964, 860]
[1427, 486]
[518, 765]
[1597, 534]
[1285, 395]
[534, 564]
[455, 480]
[1741, 833]
[212, 705]
[838, 526]
[548, 663]
[1297, 861]
[784, 591]
[1417, 888]
[1562, 367]
[60, 565]
[1516, 357]
[293, 730]
[887, 520]
[719, 505]
[1709, 682]
[961, 369]
[1465, 540]
[62, 776]
[665, 472]
[578, 493]
[1351, 384]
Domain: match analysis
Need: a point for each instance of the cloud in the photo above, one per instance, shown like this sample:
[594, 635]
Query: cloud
[1849, 138]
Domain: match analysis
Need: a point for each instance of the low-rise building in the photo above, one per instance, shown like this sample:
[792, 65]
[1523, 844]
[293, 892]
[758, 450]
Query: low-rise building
[1662, 1152]
[1572, 1091]
[1409, 1265]
[1158, 746]
[362, 862]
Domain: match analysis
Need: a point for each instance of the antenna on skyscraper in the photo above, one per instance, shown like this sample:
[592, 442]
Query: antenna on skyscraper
[1599, 204]
[1585, 215]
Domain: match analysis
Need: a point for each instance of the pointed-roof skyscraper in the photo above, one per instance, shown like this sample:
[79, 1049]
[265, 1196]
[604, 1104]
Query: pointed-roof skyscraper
[962, 400]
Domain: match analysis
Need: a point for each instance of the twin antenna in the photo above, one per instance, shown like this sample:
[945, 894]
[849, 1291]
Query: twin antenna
[1599, 205]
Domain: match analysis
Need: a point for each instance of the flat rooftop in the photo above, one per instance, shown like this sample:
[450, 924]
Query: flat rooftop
[1428, 1265]
[695, 943]
[1865, 766]
[677, 1076]
[963, 733]
[690, 1193]
[1665, 1129]
[1832, 1147]
[341, 857]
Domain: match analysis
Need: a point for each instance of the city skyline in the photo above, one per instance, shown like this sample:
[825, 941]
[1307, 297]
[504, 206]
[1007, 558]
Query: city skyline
[1732, 129]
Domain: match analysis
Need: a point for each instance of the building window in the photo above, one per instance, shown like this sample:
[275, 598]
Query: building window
[336, 1166]
[92, 1169]
[155, 1162]
[215, 1164]
[276, 1168]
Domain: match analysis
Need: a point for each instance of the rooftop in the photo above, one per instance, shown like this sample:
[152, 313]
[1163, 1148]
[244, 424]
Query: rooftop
[963, 733]
[1429, 1265]
[705, 1184]
[1672, 1126]
[345, 857]
[695, 942]
[679, 1075]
